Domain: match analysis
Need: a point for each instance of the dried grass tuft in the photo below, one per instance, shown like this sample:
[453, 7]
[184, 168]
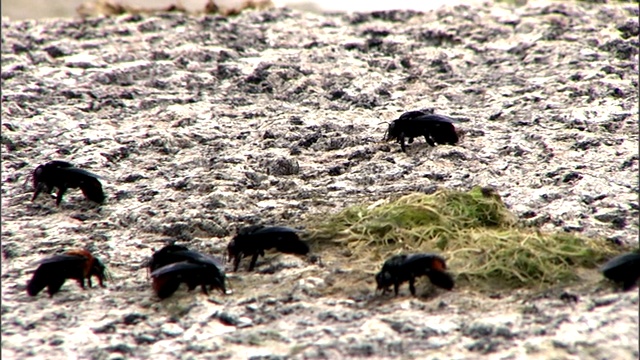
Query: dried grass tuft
[481, 240]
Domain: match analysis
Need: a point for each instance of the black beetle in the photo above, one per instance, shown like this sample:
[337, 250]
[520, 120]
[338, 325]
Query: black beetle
[623, 269]
[168, 278]
[63, 176]
[400, 268]
[435, 128]
[176, 264]
[74, 264]
[254, 240]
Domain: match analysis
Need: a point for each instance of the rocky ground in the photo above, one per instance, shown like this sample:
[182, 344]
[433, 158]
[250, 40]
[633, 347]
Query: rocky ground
[201, 125]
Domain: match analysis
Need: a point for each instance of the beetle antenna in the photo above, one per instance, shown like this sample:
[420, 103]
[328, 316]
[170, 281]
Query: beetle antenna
[386, 133]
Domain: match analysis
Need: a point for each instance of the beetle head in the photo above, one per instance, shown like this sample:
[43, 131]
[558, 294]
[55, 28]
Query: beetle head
[100, 271]
[384, 280]
[218, 282]
[37, 175]
[393, 131]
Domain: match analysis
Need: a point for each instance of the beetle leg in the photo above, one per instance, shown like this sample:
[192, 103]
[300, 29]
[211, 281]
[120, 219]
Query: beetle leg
[89, 281]
[412, 285]
[81, 283]
[254, 259]
[401, 138]
[396, 286]
[220, 285]
[429, 140]
[39, 189]
[204, 289]
[61, 192]
[237, 259]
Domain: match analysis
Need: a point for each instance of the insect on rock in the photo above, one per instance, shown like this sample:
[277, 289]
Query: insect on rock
[623, 269]
[436, 129]
[74, 264]
[176, 264]
[400, 268]
[254, 240]
[63, 176]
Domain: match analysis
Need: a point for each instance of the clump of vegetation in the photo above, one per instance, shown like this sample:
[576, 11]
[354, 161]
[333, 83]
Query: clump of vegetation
[482, 241]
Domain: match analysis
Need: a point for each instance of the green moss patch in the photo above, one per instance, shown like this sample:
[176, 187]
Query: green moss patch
[482, 241]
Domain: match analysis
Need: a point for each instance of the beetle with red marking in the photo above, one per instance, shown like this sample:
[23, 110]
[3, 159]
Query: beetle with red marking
[74, 264]
[401, 268]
